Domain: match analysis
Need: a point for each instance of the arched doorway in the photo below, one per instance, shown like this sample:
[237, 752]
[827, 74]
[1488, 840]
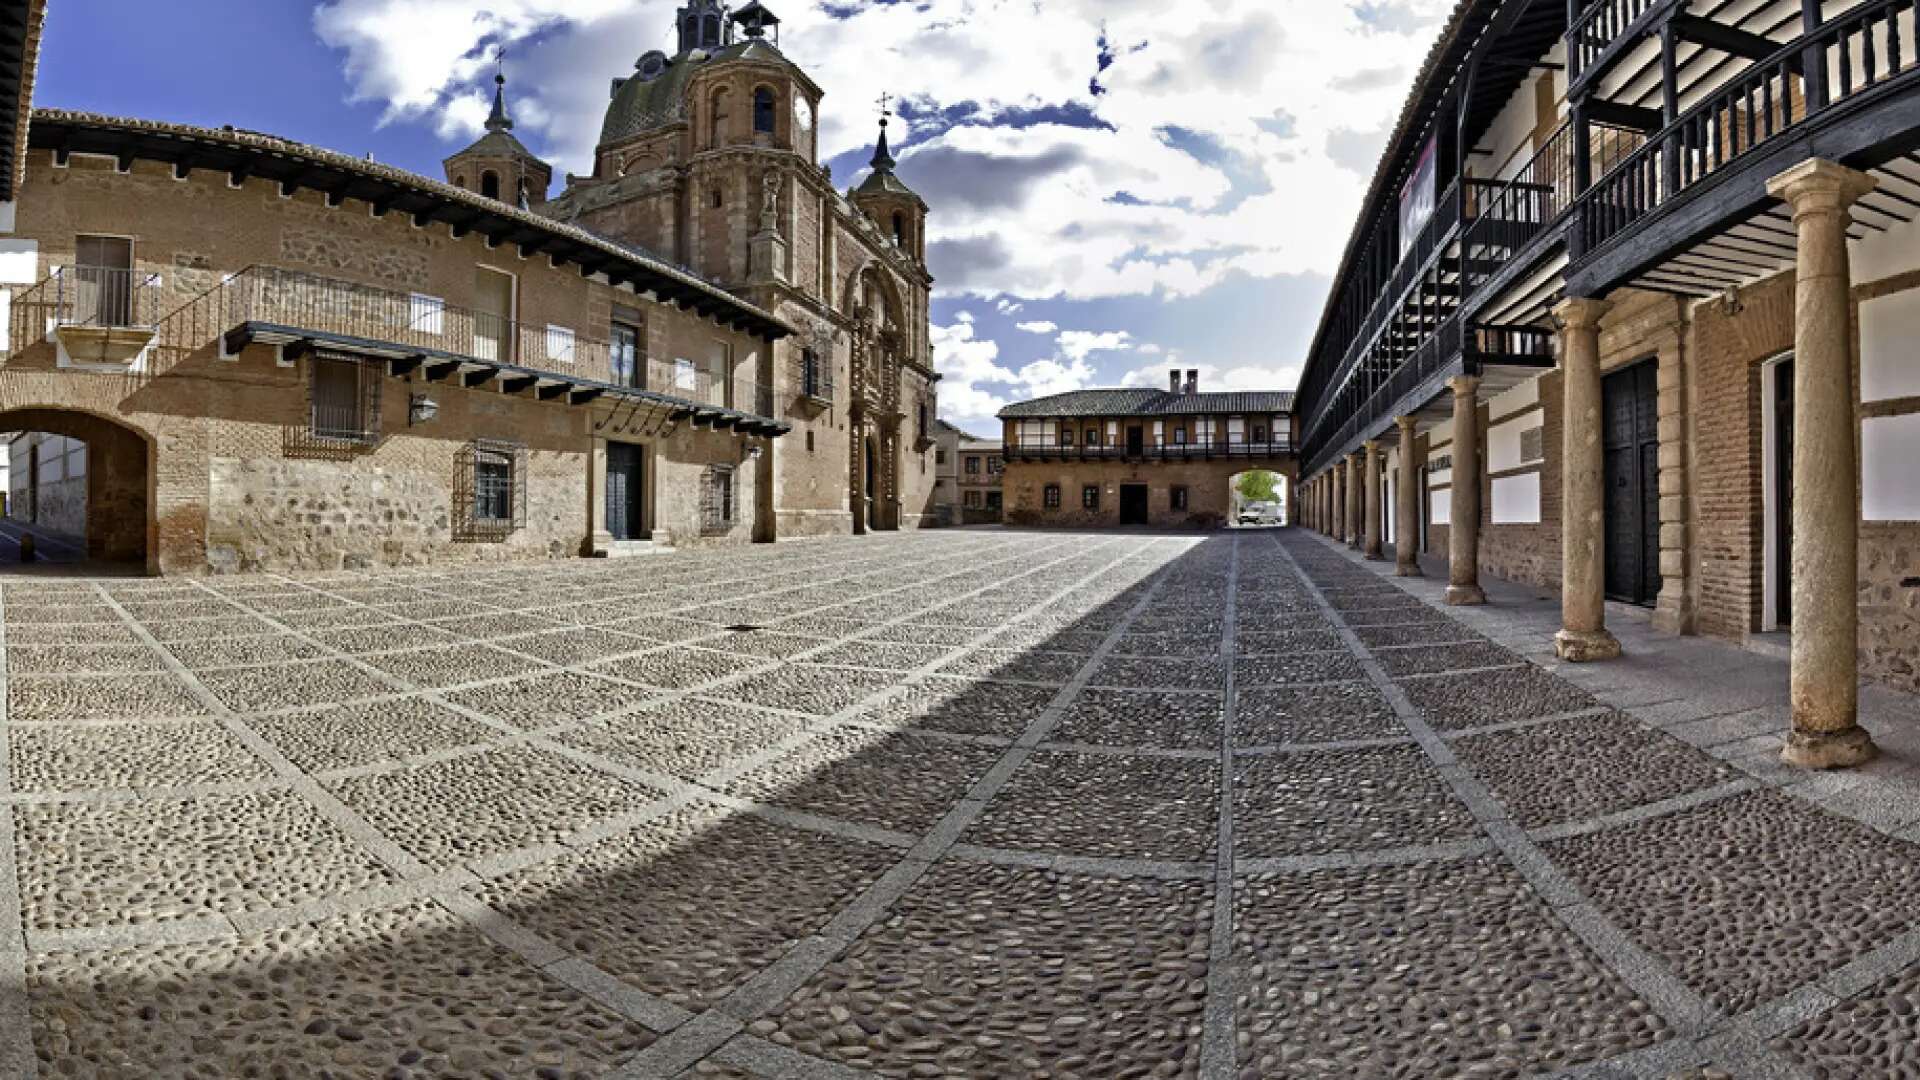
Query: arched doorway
[101, 486]
[1257, 498]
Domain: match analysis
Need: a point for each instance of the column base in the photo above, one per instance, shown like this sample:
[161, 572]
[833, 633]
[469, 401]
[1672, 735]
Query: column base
[1829, 749]
[1375, 556]
[1586, 646]
[1465, 596]
[1408, 570]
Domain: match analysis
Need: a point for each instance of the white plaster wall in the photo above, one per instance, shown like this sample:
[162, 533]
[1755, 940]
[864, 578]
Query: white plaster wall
[1516, 500]
[1880, 255]
[1889, 449]
[1890, 345]
[1503, 443]
[1442, 506]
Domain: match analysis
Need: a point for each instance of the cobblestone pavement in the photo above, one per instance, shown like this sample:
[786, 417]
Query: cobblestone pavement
[967, 804]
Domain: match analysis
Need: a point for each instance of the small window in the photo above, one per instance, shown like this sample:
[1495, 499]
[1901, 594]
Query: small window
[1259, 434]
[428, 314]
[1066, 436]
[716, 501]
[1180, 436]
[994, 465]
[809, 441]
[1090, 497]
[940, 456]
[490, 185]
[719, 198]
[490, 499]
[1093, 436]
[814, 381]
[1051, 498]
[763, 111]
[973, 500]
[899, 229]
[1179, 498]
[993, 500]
[973, 465]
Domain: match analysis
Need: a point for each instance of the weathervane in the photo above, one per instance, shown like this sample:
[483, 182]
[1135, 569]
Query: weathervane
[886, 107]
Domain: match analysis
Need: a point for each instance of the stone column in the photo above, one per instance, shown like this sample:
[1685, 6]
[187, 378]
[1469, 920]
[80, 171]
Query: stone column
[856, 440]
[1356, 502]
[1339, 500]
[599, 541]
[1826, 473]
[1583, 637]
[1406, 510]
[1372, 460]
[1463, 533]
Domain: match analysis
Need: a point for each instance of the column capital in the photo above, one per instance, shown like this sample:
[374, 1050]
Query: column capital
[1817, 185]
[1406, 423]
[1464, 385]
[1580, 312]
[1370, 446]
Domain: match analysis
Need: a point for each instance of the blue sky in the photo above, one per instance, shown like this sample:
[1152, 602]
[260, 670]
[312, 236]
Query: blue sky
[1115, 191]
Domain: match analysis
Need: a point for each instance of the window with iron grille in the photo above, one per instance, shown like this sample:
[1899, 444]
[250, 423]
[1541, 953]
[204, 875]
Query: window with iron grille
[716, 500]
[1066, 436]
[973, 465]
[816, 378]
[1179, 498]
[343, 399]
[1090, 497]
[1052, 497]
[973, 500]
[490, 490]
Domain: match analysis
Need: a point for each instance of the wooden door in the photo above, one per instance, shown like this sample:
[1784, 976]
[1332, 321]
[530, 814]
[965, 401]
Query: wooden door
[1133, 504]
[1783, 492]
[1631, 449]
[626, 489]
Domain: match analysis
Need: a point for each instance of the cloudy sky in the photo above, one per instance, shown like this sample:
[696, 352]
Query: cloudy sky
[1118, 186]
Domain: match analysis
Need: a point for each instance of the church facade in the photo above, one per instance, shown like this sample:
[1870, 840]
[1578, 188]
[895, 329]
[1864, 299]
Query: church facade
[710, 158]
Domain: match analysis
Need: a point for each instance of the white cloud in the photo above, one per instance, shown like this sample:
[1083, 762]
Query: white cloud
[1041, 327]
[1215, 151]
[1214, 377]
[1080, 344]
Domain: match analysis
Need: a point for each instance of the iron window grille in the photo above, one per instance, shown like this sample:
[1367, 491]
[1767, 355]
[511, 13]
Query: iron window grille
[1052, 497]
[1090, 497]
[816, 375]
[973, 466]
[628, 368]
[490, 489]
[343, 399]
[1179, 498]
[716, 501]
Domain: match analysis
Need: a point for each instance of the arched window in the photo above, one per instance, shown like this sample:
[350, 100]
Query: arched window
[717, 136]
[710, 34]
[899, 229]
[460, 182]
[763, 111]
[490, 184]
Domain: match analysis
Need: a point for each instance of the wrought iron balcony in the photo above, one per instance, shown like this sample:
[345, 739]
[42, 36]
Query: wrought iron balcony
[104, 317]
[272, 305]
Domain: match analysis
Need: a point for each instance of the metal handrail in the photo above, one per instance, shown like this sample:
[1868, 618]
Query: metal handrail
[300, 300]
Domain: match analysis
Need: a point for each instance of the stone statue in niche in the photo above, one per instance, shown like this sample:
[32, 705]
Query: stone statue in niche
[770, 203]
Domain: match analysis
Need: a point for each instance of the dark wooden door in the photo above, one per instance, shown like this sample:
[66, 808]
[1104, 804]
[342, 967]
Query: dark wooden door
[625, 490]
[1136, 441]
[1631, 406]
[1133, 504]
[1783, 492]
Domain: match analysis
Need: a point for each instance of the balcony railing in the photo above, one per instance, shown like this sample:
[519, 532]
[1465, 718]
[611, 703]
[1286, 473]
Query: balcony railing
[1206, 450]
[299, 301]
[101, 298]
[1603, 27]
[1856, 53]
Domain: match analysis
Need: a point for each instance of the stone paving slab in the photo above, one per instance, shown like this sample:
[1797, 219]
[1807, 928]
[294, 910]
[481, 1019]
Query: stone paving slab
[972, 804]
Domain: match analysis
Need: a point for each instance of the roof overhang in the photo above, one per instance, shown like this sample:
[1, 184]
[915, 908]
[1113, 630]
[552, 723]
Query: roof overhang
[20, 23]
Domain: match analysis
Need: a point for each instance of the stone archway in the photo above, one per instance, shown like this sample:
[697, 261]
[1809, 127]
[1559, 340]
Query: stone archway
[119, 480]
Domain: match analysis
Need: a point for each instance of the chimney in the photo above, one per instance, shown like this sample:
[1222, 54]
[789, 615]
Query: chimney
[1193, 380]
[1173, 385]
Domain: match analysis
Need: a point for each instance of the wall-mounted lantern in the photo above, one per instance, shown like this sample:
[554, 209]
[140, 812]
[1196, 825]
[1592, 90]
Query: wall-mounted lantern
[421, 409]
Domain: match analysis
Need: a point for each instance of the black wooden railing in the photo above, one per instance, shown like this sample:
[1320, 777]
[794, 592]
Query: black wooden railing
[1603, 27]
[1857, 52]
